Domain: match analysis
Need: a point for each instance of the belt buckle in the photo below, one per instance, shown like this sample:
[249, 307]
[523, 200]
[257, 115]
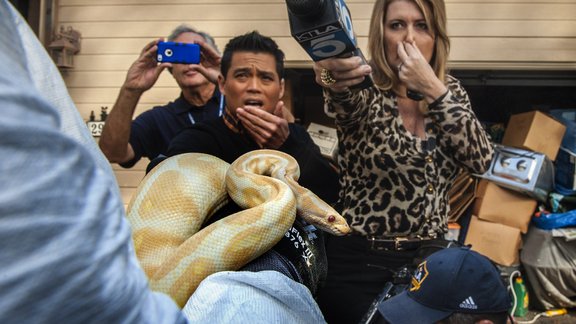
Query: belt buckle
[398, 241]
[374, 246]
[372, 241]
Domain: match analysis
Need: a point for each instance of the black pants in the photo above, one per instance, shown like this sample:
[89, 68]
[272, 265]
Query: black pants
[357, 274]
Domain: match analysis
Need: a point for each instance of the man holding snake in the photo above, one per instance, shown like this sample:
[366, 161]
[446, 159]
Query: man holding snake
[66, 245]
[251, 80]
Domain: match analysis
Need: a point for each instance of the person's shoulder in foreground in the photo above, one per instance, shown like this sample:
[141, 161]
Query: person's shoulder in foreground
[454, 285]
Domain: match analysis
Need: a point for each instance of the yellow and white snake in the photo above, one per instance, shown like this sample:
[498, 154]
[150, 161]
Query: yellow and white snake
[178, 195]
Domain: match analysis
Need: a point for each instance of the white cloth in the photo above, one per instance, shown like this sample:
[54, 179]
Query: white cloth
[66, 253]
[65, 244]
[252, 297]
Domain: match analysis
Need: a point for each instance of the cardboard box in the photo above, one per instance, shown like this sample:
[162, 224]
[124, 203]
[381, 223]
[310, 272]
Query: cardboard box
[461, 195]
[500, 243]
[535, 131]
[500, 205]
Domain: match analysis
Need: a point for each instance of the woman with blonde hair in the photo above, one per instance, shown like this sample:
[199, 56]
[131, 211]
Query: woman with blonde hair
[402, 142]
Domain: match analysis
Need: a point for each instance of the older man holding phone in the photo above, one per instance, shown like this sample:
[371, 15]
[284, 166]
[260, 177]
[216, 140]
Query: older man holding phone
[125, 141]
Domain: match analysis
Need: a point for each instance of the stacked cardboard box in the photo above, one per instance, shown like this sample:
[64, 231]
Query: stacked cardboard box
[535, 131]
[499, 216]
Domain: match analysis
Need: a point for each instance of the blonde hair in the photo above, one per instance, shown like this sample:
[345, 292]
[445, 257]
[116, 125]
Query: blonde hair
[435, 15]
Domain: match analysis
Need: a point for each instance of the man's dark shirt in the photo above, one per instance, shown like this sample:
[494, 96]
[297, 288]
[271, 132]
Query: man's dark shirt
[215, 138]
[152, 131]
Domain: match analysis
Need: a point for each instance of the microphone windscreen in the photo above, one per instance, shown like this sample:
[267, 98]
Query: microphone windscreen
[306, 9]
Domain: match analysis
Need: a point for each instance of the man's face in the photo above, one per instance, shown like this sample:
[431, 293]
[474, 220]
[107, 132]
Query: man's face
[185, 74]
[252, 80]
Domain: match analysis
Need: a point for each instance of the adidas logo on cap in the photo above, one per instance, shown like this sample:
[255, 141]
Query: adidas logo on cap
[468, 303]
[468, 281]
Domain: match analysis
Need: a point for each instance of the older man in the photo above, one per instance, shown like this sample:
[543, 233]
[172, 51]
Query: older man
[125, 141]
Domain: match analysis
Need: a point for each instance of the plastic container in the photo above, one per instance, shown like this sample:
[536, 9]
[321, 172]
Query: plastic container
[521, 298]
[565, 171]
[568, 118]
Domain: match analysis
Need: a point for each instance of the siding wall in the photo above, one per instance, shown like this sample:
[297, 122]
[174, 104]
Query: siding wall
[510, 34]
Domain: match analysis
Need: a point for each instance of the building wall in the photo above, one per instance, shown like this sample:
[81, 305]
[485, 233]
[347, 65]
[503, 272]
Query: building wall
[511, 34]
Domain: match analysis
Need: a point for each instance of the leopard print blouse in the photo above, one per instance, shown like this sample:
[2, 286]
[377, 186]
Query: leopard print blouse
[392, 182]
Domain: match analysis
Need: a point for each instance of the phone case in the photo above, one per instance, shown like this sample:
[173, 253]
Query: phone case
[183, 53]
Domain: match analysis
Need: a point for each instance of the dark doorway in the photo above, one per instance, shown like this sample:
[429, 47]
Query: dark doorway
[39, 15]
[495, 95]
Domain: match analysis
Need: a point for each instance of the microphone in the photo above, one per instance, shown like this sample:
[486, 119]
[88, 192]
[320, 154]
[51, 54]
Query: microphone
[416, 96]
[324, 29]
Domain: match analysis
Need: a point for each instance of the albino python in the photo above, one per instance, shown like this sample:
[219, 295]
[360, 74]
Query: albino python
[178, 195]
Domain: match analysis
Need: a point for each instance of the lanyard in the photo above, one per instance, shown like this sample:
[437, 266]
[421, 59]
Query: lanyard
[220, 110]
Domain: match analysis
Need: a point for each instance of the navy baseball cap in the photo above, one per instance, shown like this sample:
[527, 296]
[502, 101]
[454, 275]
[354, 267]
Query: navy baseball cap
[449, 281]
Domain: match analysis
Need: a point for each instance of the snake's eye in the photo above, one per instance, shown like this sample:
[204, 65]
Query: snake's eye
[331, 218]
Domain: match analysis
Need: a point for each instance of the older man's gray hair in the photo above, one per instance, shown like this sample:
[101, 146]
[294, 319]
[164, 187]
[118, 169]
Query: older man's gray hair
[187, 29]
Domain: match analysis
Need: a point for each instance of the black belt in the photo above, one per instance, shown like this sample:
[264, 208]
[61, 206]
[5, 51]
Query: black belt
[399, 243]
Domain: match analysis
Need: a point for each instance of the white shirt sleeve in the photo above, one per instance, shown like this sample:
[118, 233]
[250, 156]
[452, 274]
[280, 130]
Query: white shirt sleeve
[65, 251]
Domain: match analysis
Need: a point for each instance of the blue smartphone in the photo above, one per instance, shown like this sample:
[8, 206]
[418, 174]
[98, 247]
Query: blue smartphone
[173, 52]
